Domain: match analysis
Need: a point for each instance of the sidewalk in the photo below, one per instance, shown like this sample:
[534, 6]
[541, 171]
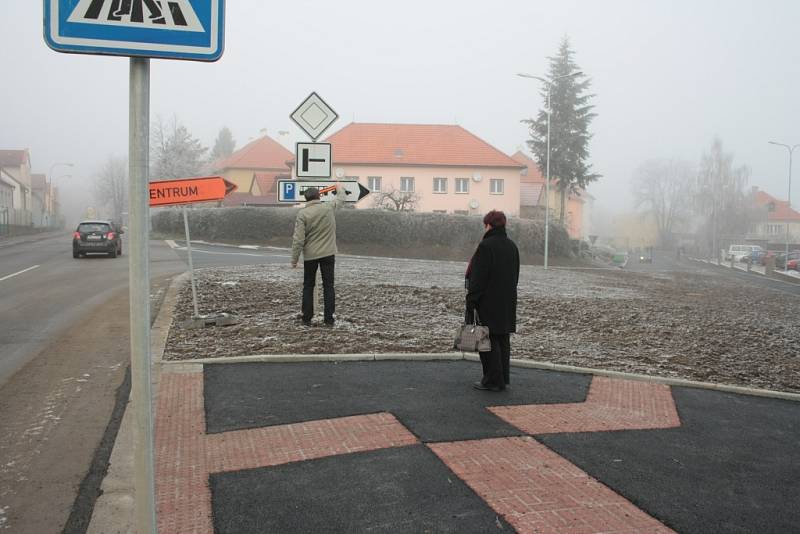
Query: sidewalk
[409, 446]
[8, 241]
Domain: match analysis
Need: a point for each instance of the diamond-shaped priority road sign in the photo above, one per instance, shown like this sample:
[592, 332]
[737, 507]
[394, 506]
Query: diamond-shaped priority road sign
[314, 116]
[170, 29]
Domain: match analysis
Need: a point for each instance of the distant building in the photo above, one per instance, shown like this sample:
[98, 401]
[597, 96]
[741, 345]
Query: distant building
[42, 201]
[777, 215]
[15, 191]
[532, 199]
[263, 191]
[254, 169]
[445, 168]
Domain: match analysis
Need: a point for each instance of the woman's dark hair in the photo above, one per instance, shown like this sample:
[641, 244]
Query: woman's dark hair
[495, 218]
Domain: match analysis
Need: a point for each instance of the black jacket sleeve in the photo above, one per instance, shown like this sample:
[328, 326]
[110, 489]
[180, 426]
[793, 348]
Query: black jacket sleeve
[478, 279]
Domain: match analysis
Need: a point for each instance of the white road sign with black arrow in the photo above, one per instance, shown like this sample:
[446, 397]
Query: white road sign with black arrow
[292, 190]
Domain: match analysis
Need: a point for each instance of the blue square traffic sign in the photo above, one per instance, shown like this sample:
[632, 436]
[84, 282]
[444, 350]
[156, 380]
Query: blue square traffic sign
[288, 191]
[171, 29]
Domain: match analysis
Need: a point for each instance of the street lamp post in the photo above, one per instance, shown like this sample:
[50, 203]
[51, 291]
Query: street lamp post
[790, 149]
[549, 84]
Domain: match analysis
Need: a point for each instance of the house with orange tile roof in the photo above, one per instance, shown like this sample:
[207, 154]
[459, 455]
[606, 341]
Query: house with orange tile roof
[263, 191]
[445, 167]
[532, 199]
[778, 215]
[255, 166]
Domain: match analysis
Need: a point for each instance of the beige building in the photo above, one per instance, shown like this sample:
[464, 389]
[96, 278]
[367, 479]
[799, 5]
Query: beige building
[438, 168]
[15, 188]
[778, 218]
[532, 202]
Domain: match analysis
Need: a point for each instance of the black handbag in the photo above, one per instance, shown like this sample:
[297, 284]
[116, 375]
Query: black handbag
[473, 337]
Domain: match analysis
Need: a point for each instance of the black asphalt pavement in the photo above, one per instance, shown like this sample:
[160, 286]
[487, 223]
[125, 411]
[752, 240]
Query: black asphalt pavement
[732, 466]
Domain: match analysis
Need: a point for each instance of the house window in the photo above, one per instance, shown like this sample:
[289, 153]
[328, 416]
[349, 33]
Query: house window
[374, 184]
[439, 211]
[774, 229]
[462, 185]
[407, 184]
[461, 212]
[496, 186]
[440, 185]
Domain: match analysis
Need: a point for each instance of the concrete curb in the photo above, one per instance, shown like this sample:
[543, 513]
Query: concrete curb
[114, 509]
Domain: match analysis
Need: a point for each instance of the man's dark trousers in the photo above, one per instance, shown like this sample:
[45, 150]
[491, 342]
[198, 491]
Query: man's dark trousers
[326, 265]
[496, 363]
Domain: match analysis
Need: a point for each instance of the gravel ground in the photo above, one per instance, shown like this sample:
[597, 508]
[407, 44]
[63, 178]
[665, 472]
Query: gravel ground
[685, 324]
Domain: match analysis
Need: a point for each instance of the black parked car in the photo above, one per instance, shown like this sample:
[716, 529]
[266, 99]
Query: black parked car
[96, 237]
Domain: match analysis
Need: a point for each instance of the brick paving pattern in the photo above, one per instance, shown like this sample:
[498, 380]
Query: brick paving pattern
[612, 404]
[538, 491]
[535, 489]
[186, 456]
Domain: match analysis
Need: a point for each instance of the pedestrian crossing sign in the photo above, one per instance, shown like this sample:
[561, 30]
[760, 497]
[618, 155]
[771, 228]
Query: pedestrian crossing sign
[171, 29]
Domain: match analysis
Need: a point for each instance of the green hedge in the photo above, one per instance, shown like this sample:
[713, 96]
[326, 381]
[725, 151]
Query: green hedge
[369, 232]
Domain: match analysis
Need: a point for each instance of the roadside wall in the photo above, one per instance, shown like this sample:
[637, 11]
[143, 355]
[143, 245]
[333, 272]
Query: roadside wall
[367, 232]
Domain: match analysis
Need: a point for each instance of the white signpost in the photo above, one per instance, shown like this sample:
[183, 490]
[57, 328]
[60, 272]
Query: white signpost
[314, 116]
[313, 160]
[291, 191]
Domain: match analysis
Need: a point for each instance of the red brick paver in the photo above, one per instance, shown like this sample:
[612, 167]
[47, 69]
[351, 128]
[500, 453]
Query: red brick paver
[186, 456]
[538, 491]
[612, 404]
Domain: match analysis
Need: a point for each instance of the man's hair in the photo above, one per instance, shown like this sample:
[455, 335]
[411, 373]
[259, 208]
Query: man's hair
[312, 193]
[495, 218]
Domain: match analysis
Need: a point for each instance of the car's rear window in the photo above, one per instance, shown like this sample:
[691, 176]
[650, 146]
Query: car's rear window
[93, 227]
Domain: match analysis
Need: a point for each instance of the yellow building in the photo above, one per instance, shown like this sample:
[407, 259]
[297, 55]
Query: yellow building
[263, 157]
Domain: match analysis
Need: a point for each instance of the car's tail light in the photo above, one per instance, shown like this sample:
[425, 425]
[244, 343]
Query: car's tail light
[76, 235]
[110, 235]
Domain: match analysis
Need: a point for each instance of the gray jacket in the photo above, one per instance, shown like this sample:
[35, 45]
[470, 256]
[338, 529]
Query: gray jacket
[315, 228]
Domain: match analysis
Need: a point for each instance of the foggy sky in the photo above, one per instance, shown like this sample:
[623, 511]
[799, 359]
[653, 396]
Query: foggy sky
[669, 76]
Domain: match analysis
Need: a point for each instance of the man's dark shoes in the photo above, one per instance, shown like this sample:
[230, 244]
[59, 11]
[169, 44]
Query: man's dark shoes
[305, 323]
[483, 387]
[328, 324]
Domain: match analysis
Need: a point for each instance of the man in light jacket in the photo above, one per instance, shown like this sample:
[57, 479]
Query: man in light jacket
[315, 237]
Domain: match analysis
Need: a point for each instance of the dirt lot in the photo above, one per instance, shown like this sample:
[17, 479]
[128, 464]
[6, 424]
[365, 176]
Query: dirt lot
[693, 325]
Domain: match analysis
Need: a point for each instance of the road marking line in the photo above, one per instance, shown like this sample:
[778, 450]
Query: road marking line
[171, 243]
[19, 272]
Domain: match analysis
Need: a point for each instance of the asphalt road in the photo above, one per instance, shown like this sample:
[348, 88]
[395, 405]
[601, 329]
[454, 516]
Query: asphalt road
[64, 349]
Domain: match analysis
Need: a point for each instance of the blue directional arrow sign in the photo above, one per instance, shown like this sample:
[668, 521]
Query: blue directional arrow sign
[171, 29]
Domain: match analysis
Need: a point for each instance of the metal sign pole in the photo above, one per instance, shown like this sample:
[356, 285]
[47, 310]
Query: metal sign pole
[191, 267]
[141, 390]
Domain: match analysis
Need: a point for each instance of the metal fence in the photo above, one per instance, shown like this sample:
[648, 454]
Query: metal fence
[11, 220]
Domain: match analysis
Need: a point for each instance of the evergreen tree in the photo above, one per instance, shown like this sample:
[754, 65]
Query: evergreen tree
[223, 146]
[569, 130]
[175, 153]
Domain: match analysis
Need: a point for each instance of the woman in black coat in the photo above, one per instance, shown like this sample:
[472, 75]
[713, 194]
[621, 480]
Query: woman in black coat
[492, 278]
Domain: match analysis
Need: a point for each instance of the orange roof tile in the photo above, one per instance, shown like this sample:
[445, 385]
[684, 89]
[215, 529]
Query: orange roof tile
[534, 175]
[414, 144]
[267, 182]
[781, 210]
[263, 153]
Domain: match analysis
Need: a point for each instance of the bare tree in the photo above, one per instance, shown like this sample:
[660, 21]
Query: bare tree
[396, 200]
[720, 201]
[175, 153]
[111, 186]
[663, 187]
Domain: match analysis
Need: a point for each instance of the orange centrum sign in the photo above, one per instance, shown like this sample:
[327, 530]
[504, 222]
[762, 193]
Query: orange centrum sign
[189, 190]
